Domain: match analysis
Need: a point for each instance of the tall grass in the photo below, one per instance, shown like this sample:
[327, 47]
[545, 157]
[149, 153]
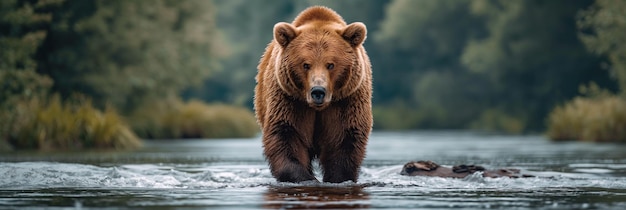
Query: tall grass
[600, 118]
[68, 126]
[194, 119]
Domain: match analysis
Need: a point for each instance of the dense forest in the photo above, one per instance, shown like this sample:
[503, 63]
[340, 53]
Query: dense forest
[494, 65]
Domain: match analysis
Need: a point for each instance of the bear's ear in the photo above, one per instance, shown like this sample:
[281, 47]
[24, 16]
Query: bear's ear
[284, 33]
[355, 33]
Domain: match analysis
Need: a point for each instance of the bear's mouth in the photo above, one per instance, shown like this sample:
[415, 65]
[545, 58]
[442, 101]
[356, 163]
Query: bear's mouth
[317, 106]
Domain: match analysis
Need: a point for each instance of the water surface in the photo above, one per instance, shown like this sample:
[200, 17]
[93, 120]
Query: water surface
[232, 174]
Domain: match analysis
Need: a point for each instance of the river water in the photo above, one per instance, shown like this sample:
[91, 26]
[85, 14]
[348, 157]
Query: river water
[232, 174]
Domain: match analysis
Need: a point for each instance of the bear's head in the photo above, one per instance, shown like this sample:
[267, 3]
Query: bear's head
[320, 61]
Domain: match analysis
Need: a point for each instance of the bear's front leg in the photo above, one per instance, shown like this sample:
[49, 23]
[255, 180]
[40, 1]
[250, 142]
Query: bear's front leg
[344, 130]
[341, 161]
[288, 154]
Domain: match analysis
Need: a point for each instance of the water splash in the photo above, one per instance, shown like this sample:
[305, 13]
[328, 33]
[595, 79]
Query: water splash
[34, 175]
[65, 175]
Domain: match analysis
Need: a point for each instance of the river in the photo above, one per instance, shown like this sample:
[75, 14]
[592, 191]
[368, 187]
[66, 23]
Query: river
[232, 174]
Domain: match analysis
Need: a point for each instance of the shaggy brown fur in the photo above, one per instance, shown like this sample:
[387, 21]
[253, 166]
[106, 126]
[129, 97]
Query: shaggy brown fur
[429, 168]
[313, 97]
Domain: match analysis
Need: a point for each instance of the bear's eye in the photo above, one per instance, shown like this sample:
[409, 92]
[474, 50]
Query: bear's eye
[330, 66]
[306, 66]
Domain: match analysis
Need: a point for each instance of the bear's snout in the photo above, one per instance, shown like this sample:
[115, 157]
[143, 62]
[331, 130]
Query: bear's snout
[317, 94]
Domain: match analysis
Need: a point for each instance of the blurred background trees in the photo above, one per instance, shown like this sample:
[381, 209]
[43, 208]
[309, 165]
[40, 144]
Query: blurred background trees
[132, 56]
[602, 30]
[22, 30]
[495, 65]
[127, 52]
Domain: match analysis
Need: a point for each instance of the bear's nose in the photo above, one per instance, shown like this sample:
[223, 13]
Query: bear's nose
[318, 93]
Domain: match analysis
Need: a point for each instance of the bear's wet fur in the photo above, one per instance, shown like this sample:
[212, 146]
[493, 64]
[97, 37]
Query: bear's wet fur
[313, 97]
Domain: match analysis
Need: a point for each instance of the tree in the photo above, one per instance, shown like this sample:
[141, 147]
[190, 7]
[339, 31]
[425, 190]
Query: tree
[21, 33]
[127, 52]
[487, 64]
[531, 56]
[420, 44]
[603, 27]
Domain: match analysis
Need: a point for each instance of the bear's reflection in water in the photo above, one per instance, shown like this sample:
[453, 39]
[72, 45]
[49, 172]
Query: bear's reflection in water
[316, 197]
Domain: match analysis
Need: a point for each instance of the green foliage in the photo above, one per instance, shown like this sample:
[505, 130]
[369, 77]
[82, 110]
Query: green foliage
[125, 52]
[598, 117]
[411, 43]
[20, 37]
[604, 26]
[21, 33]
[193, 119]
[490, 65]
[26, 120]
[68, 126]
[525, 58]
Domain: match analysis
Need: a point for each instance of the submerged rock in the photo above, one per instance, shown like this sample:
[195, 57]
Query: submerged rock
[430, 168]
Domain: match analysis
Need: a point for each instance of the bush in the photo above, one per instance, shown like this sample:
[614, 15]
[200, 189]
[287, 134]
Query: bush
[597, 119]
[194, 119]
[68, 126]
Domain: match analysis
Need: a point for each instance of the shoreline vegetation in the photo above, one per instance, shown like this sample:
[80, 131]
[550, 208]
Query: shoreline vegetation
[56, 125]
[78, 125]
[175, 119]
[597, 116]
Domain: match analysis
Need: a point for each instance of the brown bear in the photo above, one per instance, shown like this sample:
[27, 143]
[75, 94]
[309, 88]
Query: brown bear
[313, 97]
[430, 168]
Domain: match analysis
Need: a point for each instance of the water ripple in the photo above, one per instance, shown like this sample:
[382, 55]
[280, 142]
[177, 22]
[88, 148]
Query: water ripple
[33, 175]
